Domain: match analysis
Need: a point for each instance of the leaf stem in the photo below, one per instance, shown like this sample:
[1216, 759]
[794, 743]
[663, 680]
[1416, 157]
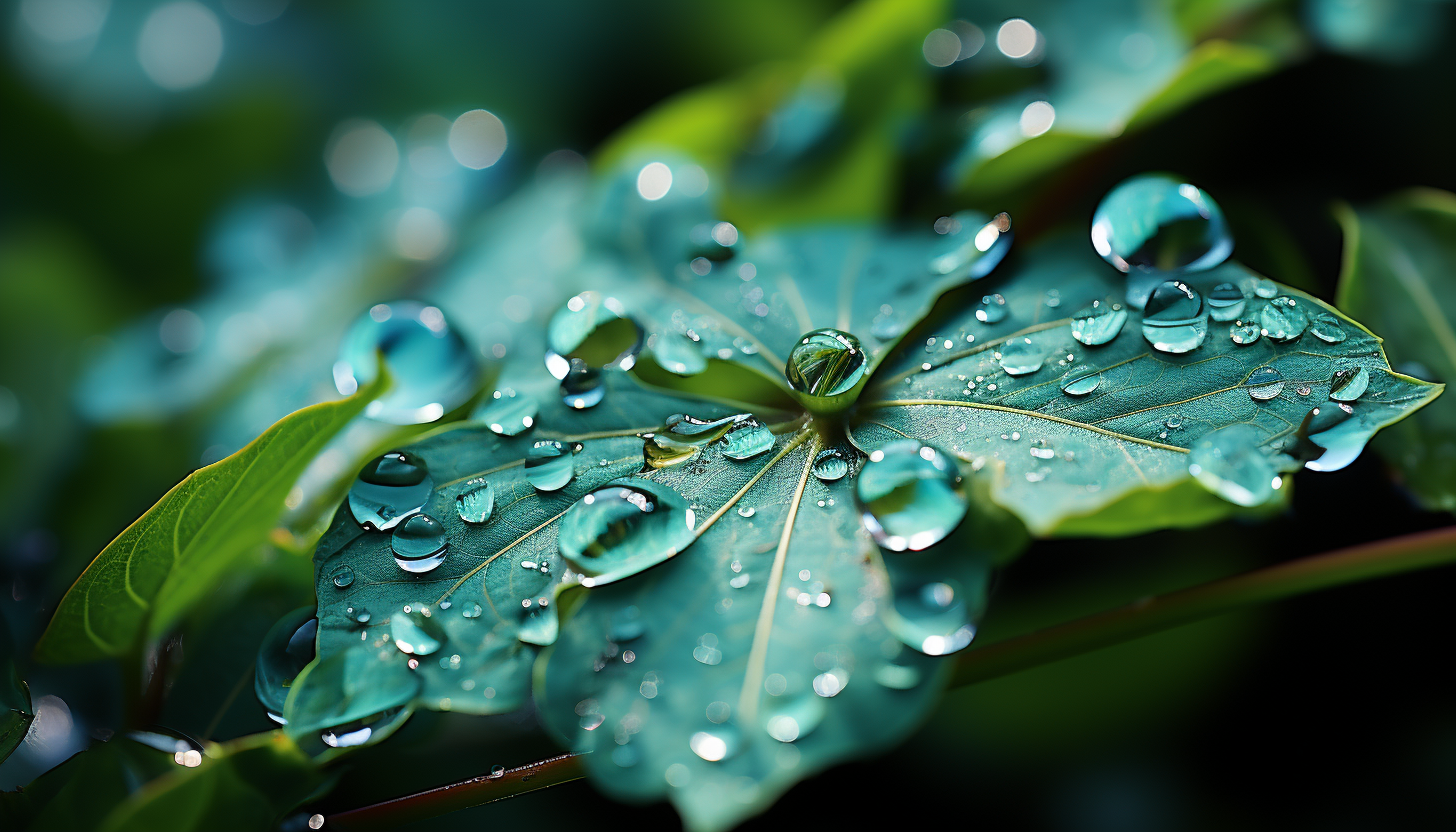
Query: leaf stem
[1149, 615]
[466, 794]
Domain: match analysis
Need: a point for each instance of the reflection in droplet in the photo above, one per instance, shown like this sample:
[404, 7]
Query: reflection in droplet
[390, 488]
[933, 618]
[1021, 356]
[1226, 302]
[1080, 381]
[419, 544]
[1153, 222]
[910, 496]
[582, 388]
[831, 464]
[1281, 319]
[1244, 333]
[747, 441]
[826, 364]
[477, 502]
[971, 247]
[1264, 384]
[591, 333]
[343, 577]
[549, 465]
[992, 309]
[1349, 384]
[1099, 323]
[1230, 463]
[431, 369]
[509, 413]
[623, 528]
[1326, 327]
[1174, 319]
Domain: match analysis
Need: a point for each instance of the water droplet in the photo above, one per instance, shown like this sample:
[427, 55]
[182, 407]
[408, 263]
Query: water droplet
[419, 544]
[1226, 302]
[623, 528]
[1174, 320]
[476, 503]
[1326, 327]
[1332, 436]
[795, 719]
[910, 496]
[745, 511]
[992, 309]
[497, 771]
[1265, 288]
[827, 366]
[1021, 356]
[1079, 381]
[679, 354]
[415, 633]
[591, 333]
[583, 388]
[831, 464]
[509, 413]
[1154, 223]
[1244, 333]
[1281, 319]
[285, 650]
[1230, 463]
[971, 246]
[390, 488]
[1264, 384]
[716, 745]
[933, 619]
[706, 651]
[831, 682]
[549, 465]
[1099, 323]
[343, 577]
[747, 441]
[472, 611]
[1349, 384]
[433, 370]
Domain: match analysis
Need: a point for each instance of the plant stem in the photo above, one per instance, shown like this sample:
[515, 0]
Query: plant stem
[1148, 615]
[466, 794]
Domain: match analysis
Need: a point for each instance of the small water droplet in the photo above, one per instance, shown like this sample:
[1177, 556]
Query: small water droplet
[1174, 319]
[623, 528]
[419, 544]
[1021, 356]
[747, 440]
[992, 309]
[1080, 381]
[476, 503]
[1326, 327]
[1244, 333]
[1099, 323]
[472, 611]
[745, 511]
[1264, 287]
[831, 464]
[1349, 384]
[910, 496]
[389, 489]
[432, 369]
[1230, 463]
[1226, 302]
[497, 771]
[1281, 319]
[1264, 384]
[549, 465]
[793, 720]
[343, 577]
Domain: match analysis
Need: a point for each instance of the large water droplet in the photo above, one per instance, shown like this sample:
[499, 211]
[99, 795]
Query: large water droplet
[591, 332]
[1244, 333]
[549, 465]
[1174, 320]
[419, 544]
[1079, 381]
[971, 247]
[933, 618]
[432, 369]
[1264, 384]
[1332, 436]
[509, 413]
[747, 440]
[477, 502]
[1021, 356]
[1226, 302]
[623, 528]
[1326, 327]
[831, 464]
[1349, 384]
[910, 496]
[826, 367]
[1153, 222]
[1099, 323]
[390, 488]
[1281, 319]
[991, 309]
[415, 633]
[1230, 463]
[286, 649]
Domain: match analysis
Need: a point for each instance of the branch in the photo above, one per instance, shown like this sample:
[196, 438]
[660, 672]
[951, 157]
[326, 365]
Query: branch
[466, 794]
[1149, 615]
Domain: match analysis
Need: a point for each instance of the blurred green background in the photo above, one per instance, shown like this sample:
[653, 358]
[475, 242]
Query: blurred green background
[140, 153]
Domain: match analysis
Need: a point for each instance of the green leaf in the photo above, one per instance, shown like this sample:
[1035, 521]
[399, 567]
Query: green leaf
[249, 783]
[1400, 255]
[80, 792]
[1111, 68]
[170, 558]
[1059, 460]
[15, 706]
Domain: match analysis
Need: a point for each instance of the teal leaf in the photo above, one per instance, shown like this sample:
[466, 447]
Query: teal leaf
[1400, 255]
[172, 557]
[1069, 430]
